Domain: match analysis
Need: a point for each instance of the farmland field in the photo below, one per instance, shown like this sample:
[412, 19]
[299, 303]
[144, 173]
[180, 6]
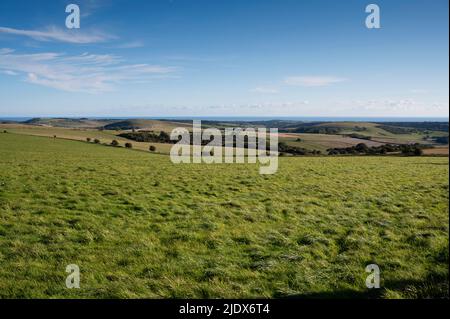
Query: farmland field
[80, 134]
[139, 226]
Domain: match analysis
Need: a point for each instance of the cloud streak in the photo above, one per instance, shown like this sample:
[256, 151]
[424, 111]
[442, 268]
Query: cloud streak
[393, 106]
[264, 90]
[91, 73]
[60, 35]
[312, 81]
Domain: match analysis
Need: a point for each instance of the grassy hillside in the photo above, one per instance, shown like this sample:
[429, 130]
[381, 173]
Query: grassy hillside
[140, 226]
[312, 136]
[377, 132]
[322, 142]
[69, 122]
[104, 136]
[153, 125]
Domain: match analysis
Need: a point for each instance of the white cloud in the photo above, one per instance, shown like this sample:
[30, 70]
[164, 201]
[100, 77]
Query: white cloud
[418, 91]
[91, 73]
[61, 35]
[9, 72]
[312, 81]
[264, 90]
[394, 106]
[266, 106]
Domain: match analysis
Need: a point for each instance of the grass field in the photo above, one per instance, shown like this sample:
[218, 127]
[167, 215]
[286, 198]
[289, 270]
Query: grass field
[68, 129]
[105, 136]
[139, 226]
[378, 136]
[322, 142]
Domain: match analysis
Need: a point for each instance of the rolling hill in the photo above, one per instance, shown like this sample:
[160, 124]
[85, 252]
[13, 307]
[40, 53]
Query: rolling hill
[139, 226]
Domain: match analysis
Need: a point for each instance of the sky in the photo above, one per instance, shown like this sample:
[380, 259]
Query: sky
[224, 58]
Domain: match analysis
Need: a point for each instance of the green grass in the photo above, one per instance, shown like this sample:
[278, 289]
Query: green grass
[140, 226]
[323, 142]
[378, 134]
[105, 136]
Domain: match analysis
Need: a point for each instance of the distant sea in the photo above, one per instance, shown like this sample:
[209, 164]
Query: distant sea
[255, 118]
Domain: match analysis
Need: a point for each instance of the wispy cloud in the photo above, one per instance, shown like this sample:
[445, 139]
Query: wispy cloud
[60, 35]
[91, 73]
[264, 90]
[9, 72]
[394, 106]
[311, 81]
[419, 91]
[263, 106]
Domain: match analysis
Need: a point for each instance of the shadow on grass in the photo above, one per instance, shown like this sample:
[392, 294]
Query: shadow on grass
[444, 164]
[338, 294]
[433, 287]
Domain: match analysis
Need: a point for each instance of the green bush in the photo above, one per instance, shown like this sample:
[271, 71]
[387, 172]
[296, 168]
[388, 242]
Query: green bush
[96, 141]
[152, 148]
[418, 151]
[88, 139]
[114, 143]
[128, 145]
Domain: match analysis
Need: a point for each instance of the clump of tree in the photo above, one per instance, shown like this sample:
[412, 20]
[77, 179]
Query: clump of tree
[317, 130]
[359, 136]
[412, 150]
[363, 149]
[152, 148]
[96, 141]
[88, 139]
[162, 137]
[114, 143]
[128, 145]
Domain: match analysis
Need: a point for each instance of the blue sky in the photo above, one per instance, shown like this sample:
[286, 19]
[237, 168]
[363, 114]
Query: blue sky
[224, 57]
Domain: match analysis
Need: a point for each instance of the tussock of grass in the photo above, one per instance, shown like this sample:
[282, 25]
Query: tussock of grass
[140, 226]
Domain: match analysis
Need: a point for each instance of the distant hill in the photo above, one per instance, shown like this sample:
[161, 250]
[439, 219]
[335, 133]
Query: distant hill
[419, 126]
[140, 124]
[107, 124]
[69, 122]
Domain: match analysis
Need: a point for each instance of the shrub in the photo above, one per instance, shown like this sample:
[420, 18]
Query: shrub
[114, 143]
[128, 145]
[152, 148]
[54, 136]
[88, 139]
[5, 131]
[361, 147]
[96, 141]
[418, 151]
